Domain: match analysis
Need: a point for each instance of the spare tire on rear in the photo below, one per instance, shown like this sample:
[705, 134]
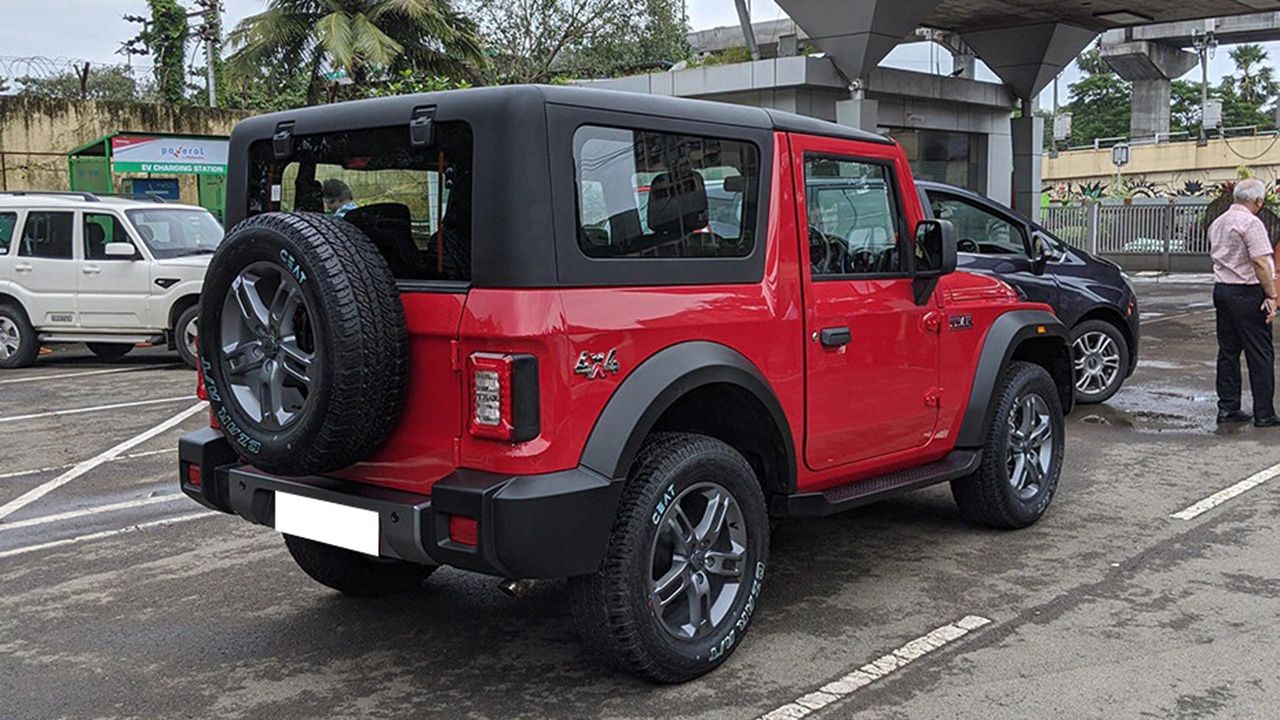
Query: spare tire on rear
[303, 343]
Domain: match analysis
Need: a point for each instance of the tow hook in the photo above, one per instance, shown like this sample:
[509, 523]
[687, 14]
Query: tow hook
[515, 587]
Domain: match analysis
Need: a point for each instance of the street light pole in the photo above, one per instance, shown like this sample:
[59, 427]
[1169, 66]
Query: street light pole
[1204, 42]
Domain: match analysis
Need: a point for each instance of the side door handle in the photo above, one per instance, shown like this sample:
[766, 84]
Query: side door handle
[835, 337]
[91, 270]
[22, 267]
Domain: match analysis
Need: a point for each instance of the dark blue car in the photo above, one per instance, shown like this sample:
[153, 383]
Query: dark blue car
[1089, 294]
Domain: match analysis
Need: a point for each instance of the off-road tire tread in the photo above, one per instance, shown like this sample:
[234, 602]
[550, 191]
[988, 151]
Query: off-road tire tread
[599, 602]
[982, 496]
[352, 573]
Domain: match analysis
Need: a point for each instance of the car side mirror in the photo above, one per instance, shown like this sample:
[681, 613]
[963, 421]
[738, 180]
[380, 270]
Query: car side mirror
[935, 256]
[120, 250]
[1040, 255]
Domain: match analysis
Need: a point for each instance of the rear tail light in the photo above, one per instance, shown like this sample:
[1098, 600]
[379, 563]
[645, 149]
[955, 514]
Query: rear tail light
[193, 475]
[504, 396]
[202, 392]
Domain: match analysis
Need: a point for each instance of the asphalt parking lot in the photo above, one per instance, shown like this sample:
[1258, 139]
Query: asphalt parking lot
[1131, 598]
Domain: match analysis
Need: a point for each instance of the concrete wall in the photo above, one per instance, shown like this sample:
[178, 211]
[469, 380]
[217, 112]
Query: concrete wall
[1169, 166]
[35, 134]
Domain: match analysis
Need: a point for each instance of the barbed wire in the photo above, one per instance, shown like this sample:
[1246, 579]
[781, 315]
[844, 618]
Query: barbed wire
[44, 68]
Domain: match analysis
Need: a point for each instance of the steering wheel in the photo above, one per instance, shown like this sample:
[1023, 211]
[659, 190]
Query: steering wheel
[967, 245]
[826, 254]
[866, 258]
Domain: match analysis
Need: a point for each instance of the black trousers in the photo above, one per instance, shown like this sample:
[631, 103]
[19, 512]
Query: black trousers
[1242, 327]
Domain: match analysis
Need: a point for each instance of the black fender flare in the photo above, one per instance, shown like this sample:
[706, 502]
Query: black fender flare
[653, 387]
[1007, 332]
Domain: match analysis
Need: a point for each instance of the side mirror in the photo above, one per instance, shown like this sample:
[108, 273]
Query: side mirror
[935, 256]
[120, 250]
[1040, 255]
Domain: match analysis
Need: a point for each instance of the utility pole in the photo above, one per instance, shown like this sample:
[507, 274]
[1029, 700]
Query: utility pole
[1204, 42]
[748, 32]
[211, 33]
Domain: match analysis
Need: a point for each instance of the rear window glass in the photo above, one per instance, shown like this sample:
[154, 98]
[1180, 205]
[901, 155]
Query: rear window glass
[47, 235]
[646, 194]
[413, 203]
[7, 221]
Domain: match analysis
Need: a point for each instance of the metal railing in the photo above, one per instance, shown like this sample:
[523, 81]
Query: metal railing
[1146, 233]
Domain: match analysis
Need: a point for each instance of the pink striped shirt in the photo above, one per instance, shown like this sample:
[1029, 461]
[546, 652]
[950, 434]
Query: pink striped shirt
[1236, 238]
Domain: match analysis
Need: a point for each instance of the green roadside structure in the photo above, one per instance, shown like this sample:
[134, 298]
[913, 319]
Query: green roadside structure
[190, 169]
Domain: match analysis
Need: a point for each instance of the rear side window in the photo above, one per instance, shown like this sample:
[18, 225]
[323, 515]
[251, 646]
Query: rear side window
[7, 222]
[413, 203]
[978, 230]
[47, 235]
[645, 194]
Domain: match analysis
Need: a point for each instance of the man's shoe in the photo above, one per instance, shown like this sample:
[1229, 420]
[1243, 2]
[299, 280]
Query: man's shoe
[1272, 421]
[1239, 416]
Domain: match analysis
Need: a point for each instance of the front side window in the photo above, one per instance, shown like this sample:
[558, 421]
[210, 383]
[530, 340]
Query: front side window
[413, 203]
[648, 194]
[853, 218]
[7, 222]
[978, 230]
[47, 235]
[99, 229]
[172, 233]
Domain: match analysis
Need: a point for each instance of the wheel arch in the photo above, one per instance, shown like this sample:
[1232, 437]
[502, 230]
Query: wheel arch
[1111, 316]
[10, 299]
[180, 306]
[674, 389]
[1033, 336]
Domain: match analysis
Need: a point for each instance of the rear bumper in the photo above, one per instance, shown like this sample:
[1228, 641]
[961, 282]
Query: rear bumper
[529, 526]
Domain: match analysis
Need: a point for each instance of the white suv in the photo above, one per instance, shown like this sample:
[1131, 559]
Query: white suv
[104, 271]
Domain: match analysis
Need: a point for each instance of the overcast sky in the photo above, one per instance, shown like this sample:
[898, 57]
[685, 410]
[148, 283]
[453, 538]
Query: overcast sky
[93, 30]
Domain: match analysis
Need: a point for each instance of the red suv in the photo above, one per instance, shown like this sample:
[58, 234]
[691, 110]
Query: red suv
[559, 332]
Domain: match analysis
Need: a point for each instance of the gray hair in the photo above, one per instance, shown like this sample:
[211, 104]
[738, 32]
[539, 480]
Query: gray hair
[1249, 191]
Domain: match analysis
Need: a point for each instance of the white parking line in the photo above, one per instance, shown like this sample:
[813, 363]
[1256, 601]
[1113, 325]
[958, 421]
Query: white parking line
[86, 373]
[84, 512]
[1226, 494]
[133, 456]
[881, 667]
[81, 468]
[105, 534]
[98, 408]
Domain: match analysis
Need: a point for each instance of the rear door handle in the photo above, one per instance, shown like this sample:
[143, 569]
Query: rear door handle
[835, 337]
[22, 267]
[91, 270]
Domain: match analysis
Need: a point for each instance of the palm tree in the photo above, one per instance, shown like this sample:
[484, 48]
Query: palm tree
[361, 37]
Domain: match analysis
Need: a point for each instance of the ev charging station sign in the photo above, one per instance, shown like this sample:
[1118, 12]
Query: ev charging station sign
[143, 154]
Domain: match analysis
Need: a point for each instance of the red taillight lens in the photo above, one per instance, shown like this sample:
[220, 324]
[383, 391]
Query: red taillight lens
[464, 530]
[202, 392]
[193, 475]
[504, 396]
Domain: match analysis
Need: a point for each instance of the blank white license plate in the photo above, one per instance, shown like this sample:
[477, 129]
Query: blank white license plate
[326, 522]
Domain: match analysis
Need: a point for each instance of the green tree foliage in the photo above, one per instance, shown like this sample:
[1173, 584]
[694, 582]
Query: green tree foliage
[542, 40]
[1248, 94]
[166, 40]
[1099, 101]
[103, 83]
[366, 39]
[1184, 107]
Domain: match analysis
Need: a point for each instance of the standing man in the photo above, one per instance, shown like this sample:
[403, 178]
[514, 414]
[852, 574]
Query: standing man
[337, 197]
[1244, 296]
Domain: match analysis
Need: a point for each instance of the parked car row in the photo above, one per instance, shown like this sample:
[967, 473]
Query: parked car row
[105, 271]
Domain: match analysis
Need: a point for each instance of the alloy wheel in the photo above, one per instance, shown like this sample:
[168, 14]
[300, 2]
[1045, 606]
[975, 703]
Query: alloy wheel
[269, 354]
[10, 338]
[1029, 453]
[697, 561]
[1097, 362]
[189, 337]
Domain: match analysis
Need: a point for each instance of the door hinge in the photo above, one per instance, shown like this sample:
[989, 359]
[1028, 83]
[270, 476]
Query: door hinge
[933, 398]
[421, 127]
[455, 356]
[282, 141]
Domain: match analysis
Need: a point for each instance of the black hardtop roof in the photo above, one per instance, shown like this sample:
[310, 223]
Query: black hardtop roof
[378, 111]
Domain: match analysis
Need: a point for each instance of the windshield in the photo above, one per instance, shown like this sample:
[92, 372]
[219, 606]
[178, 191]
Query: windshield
[173, 233]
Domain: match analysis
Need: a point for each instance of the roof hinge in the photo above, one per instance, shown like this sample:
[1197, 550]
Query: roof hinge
[282, 140]
[421, 127]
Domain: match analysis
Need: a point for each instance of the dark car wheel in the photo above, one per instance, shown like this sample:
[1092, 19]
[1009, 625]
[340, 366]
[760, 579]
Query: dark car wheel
[685, 562]
[110, 351]
[1022, 453]
[186, 334]
[353, 573]
[1101, 359]
[19, 345]
[303, 343]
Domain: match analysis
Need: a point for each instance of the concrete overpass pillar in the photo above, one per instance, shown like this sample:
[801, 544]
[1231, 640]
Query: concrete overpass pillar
[857, 35]
[1028, 148]
[1151, 67]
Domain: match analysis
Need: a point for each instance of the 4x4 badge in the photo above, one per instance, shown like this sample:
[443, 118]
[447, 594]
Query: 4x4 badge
[594, 366]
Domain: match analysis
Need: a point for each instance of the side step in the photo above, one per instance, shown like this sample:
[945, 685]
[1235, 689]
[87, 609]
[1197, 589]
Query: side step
[846, 497]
